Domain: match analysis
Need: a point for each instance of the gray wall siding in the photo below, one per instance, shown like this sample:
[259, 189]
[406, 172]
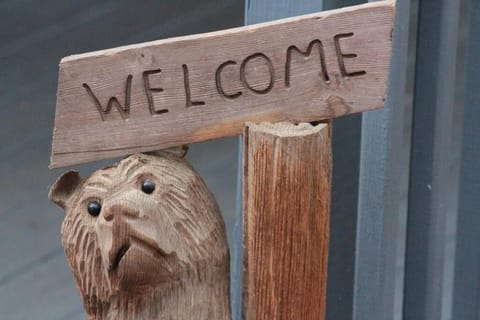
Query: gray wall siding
[383, 187]
[466, 294]
[435, 162]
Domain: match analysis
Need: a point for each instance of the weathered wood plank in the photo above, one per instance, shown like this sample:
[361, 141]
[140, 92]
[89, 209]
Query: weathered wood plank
[287, 186]
[182, 90]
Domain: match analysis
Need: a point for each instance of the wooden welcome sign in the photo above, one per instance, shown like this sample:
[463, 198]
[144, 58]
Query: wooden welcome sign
[145, 238]
[165, 93]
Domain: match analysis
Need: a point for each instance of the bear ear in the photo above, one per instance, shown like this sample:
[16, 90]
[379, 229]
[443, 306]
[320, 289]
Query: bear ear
[65, 186]
[180, 151]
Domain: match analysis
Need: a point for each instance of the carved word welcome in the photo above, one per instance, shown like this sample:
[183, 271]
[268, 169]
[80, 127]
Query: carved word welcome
[164, 93]
[270, 74]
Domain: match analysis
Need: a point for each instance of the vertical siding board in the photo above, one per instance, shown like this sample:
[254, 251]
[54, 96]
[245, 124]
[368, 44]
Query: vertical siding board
[435, 161]
[467, 269]
[384, 184]
[346, 159]
[236, 251]
[333, 4]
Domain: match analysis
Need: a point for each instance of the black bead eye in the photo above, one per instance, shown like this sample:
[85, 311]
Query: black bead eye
[94, 208]
[148, 186]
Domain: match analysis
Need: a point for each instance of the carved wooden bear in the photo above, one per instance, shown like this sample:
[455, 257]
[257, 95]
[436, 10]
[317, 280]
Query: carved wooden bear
[145, 240]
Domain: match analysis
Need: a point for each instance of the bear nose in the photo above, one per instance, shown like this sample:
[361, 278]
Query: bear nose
[119, 210]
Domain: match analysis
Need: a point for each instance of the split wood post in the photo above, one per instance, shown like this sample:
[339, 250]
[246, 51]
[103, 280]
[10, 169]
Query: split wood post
[166, 93]
[287, 172]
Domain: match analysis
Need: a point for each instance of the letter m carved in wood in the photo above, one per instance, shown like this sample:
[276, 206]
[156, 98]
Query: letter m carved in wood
[307, 53]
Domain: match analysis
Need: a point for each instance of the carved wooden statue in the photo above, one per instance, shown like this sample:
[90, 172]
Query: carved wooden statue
[145, 240]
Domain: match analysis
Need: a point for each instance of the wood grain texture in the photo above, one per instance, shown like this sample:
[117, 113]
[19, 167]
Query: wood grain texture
[156, 252]
[177, 91]
[287, 174]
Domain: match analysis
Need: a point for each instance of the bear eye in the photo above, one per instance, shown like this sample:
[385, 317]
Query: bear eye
[94, 208]
[148, 186]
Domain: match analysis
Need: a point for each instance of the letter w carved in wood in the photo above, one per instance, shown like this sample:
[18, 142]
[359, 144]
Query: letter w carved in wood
[123, 110]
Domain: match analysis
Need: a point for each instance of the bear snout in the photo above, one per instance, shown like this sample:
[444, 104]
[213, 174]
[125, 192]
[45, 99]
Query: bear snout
[120, 211]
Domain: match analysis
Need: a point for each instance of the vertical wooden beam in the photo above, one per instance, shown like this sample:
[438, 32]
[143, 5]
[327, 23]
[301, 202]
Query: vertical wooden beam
[287, 186]
[257, 11]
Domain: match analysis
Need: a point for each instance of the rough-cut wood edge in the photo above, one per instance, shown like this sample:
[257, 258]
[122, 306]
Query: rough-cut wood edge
[79, 138]
[252, 27]
[287, 174]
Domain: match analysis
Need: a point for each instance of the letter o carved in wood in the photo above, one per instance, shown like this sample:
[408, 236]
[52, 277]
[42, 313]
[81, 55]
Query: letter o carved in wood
[271, 70]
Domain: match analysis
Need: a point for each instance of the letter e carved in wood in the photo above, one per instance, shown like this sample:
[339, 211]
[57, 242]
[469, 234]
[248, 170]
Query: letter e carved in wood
[342, 56]
[149, 90]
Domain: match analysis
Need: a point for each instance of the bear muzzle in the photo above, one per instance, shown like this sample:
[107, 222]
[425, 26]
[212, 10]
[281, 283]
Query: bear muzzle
[131, 254]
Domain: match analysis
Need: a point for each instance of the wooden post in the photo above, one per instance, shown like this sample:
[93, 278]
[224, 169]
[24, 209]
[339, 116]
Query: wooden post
[287, 185]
